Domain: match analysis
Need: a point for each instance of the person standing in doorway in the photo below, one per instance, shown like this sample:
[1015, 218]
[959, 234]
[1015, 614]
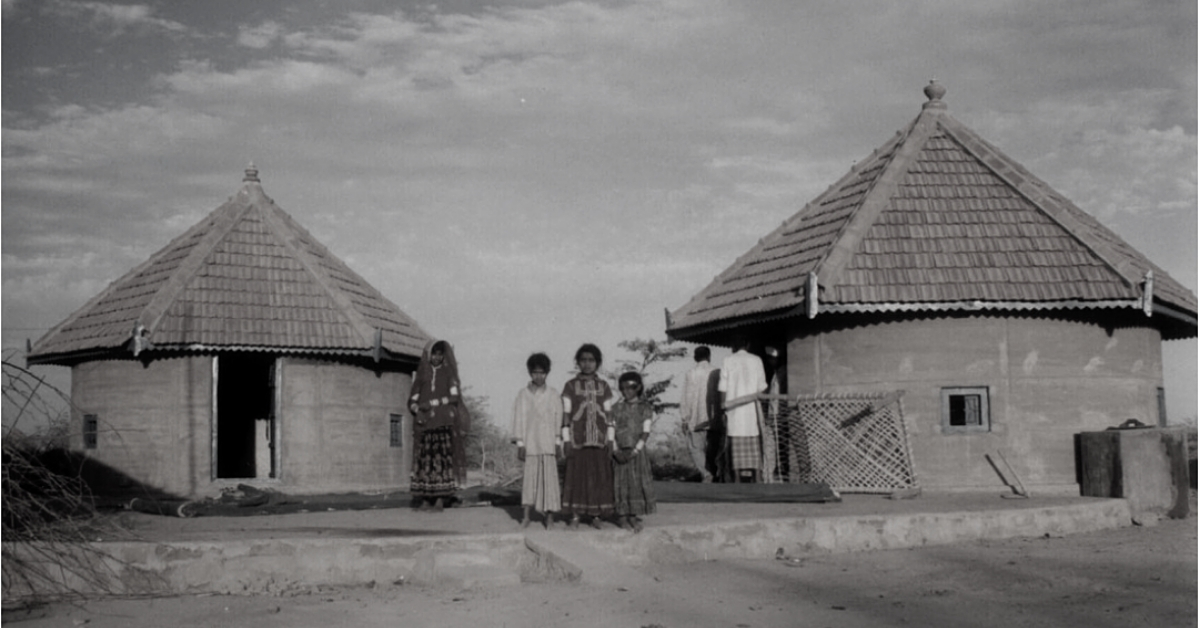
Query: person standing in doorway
[694, 419]
[742, 379]
[718, 444]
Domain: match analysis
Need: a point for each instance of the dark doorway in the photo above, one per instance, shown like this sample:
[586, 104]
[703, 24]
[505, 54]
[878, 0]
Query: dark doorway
[245, 417]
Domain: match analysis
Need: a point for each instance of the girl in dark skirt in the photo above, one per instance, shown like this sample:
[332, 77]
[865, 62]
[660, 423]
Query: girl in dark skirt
[440, 425]
[587, 441]
[633, 489]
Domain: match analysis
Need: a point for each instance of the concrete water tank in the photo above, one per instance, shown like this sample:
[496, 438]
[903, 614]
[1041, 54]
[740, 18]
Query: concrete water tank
[1147, 466]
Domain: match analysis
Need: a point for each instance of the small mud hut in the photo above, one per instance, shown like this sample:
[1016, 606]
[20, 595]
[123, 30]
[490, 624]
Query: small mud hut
[242, 352]
[943, 280]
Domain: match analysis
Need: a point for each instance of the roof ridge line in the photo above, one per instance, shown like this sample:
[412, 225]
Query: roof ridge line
[280, 229]
[133, 272]
[739, 263]
[829, 268]
[165, 297]
[1030, 187]
[112, 285]
[424, 338]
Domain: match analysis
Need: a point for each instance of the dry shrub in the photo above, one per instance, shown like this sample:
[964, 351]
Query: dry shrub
[46, 510]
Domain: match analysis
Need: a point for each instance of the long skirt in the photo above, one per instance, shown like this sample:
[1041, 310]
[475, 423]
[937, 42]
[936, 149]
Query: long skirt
[588, 482]
[745, 452]
[434, 472]
[540, 486]
[633, 486]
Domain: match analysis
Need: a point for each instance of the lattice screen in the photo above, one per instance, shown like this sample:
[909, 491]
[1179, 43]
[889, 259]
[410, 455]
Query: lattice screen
[853, 443]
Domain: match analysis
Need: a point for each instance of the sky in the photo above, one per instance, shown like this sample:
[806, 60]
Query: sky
[530, 175]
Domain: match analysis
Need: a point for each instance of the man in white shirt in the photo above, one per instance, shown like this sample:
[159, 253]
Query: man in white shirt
[694, 420]
[742, 379]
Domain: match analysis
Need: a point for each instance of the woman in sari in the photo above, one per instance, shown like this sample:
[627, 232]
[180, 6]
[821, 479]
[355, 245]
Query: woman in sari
[440, 425]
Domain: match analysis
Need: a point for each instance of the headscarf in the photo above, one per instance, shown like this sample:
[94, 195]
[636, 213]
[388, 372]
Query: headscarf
[462, 416]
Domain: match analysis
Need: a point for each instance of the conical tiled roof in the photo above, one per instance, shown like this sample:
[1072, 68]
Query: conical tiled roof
[247, 277]
[936, 219]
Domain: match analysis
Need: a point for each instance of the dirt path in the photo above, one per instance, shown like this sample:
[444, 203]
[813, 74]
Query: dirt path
[1128, 577]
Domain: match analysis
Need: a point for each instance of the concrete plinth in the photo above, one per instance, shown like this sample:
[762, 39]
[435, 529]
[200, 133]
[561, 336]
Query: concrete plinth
[484, 547]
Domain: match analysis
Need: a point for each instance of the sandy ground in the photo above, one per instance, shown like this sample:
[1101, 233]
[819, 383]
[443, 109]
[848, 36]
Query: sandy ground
[1135, 576]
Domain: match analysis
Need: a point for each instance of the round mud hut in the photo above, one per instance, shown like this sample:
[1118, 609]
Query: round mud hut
[243, 352]
[945, 320]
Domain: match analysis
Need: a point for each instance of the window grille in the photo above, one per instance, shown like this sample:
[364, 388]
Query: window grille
[91, 425]
[396, 425]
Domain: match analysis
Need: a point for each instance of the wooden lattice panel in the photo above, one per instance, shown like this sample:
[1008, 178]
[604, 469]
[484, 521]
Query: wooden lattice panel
[853, 443]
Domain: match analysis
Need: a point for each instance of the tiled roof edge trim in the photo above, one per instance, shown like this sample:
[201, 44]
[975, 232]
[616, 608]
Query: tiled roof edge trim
[682, 333]
[209, 348]
[1175, 313]
[979, 306]
[118, 352]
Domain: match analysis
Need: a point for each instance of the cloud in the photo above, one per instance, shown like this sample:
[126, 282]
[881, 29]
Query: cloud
[1106, 154]
[276, 80]
[119, 17]
[537, 175]
[261, 36]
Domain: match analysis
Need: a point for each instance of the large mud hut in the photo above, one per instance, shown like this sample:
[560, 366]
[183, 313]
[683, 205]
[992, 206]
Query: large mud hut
[242, 352]
[942, 275]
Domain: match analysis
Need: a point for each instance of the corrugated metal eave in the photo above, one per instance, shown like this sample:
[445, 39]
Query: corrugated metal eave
[290, 350]
[682, 332]
[120, 352]
[976, 305]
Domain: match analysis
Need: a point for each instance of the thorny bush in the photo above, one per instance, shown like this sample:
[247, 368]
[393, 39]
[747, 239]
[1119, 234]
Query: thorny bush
[46, 510]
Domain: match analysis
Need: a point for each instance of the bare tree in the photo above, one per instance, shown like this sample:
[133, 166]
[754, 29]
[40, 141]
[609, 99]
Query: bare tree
[489, 448]
[49, 521]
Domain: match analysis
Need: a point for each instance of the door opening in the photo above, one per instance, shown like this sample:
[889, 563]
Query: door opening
[246, 421]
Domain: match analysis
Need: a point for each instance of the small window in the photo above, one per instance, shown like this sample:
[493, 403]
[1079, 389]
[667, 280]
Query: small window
[966, 410]
[90, 427]
[396, 424]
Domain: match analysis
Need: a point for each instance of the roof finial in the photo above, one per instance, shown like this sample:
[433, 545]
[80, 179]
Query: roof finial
[251, 174]
[934, 92]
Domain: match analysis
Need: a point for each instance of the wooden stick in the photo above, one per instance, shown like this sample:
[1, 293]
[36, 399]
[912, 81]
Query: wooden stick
[1016, 478]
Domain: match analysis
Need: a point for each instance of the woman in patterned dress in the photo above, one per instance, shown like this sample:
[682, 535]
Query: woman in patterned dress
[587, 441]
[440, 425]
[631, 419]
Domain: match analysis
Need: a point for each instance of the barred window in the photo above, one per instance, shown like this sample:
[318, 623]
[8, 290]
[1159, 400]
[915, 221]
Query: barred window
[91, 425]
[396, 424]
[965, 409]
